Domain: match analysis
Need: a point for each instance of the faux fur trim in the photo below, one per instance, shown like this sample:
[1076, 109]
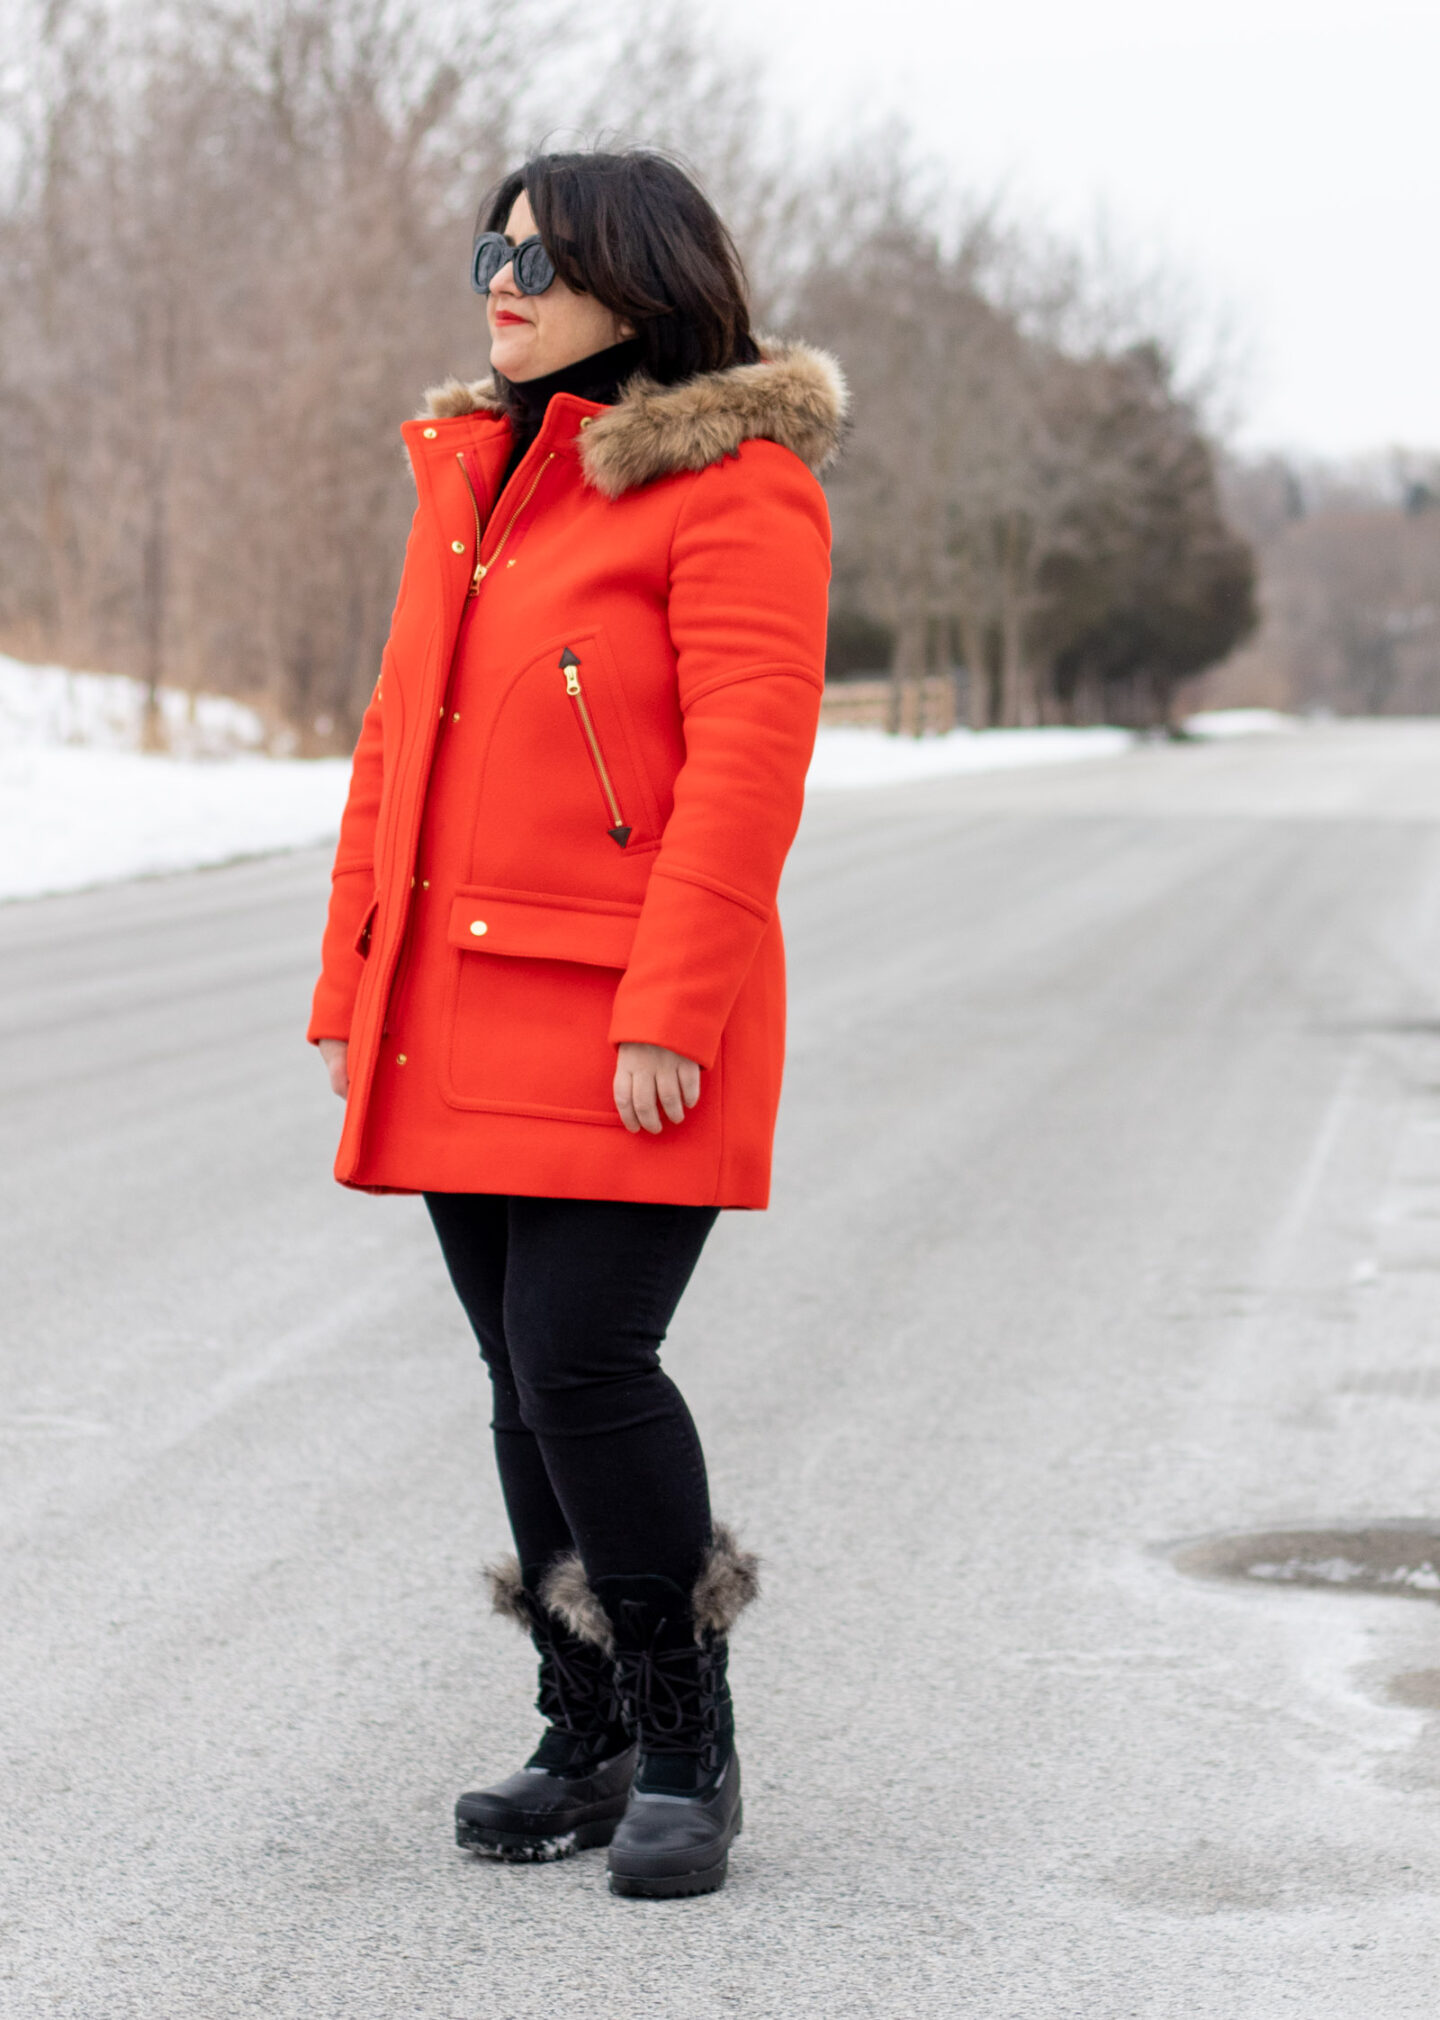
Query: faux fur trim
[795, 396]
[566, 1591]
[454, 397]
[507, 1591]
[729, 1581]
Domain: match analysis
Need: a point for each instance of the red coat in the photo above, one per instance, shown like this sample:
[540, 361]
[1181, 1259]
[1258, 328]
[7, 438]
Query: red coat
[575, 788]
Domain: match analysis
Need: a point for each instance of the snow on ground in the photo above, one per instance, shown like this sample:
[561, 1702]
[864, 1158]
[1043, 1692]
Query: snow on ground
[1212, 722]
[81, 805]
[846, 756]
[49, 705]
[71, 818]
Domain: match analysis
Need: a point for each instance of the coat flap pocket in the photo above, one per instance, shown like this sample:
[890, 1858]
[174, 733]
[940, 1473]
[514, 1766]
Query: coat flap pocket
[529, 924]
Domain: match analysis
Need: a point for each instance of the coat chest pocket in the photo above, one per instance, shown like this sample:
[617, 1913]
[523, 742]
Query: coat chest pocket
[569, 773]
[605, 730]
[532, 986]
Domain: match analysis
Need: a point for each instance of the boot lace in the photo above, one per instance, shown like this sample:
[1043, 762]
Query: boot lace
[674, 1698]
[578, 1691]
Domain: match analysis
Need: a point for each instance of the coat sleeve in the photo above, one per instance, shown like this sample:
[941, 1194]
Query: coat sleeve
[352, 888]
[750, 568]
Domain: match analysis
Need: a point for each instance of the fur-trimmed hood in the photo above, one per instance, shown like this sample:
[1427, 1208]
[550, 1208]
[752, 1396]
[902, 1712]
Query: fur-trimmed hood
[795, 396]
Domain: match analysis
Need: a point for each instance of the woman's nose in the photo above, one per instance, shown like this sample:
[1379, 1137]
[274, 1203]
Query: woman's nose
[504, 281]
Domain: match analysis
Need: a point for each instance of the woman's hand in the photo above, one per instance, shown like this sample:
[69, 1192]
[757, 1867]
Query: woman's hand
[650, 1079]
[336, 1054]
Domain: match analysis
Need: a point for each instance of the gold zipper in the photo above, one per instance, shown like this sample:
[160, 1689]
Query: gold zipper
[570, 666]
[482, 568]
[464, 472]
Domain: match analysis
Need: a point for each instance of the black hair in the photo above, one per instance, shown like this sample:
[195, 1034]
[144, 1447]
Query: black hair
[634, 230]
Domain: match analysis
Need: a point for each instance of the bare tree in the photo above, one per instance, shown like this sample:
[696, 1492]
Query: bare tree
[926, 353]
[232, 249]
[1011, 472]
[232, 253]
[1349, 559]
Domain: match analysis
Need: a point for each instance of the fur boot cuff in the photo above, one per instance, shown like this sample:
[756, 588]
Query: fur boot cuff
[507, 1591]
[729, 1580]
[566, 1591]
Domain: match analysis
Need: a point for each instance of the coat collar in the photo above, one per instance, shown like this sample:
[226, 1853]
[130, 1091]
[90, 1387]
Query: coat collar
[795, 396]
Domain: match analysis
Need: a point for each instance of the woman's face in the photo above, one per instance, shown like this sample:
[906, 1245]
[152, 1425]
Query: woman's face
[531, 335]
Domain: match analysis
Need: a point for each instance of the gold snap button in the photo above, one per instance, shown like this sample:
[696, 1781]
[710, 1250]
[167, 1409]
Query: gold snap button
[429, 434]
[457, 546]
[424, 883]
[456, 716]
[400, 1059]
[478, 926]
[586, 419]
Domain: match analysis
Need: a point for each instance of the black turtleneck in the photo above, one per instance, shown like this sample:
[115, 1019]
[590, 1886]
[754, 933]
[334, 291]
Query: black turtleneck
[599, 377]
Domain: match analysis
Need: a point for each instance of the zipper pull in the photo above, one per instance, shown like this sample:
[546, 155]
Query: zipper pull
[570, 667]
[477, 578]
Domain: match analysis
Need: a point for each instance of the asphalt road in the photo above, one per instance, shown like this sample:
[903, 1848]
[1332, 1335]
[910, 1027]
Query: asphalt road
[1108, 1215]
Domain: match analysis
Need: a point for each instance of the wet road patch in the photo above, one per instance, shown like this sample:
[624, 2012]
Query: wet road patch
[1398, 1559]
[1416, 1689]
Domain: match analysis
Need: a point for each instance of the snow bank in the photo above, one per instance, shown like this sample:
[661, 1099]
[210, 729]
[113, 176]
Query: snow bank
[70, 818]
[42, 706]
[1219, 722]
[79, 804]
[846, 756]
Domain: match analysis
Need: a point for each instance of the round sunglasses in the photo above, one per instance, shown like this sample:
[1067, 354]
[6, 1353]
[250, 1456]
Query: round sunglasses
[532, 266]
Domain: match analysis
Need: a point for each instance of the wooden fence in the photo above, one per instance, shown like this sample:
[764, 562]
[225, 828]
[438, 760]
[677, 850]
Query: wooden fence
[867, 702]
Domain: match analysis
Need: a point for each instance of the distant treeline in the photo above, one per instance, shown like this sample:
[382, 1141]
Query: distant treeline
[1350, 586]
[232, 253]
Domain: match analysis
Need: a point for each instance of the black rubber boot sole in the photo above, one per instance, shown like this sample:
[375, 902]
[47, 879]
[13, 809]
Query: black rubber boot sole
[673, 1886]
[524, 1848]
[678, 1886]
[532, 1817]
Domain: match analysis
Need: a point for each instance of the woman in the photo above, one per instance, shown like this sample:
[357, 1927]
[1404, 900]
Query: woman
[553, 983]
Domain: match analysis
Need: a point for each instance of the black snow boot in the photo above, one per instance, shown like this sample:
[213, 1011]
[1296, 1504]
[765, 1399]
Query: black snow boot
[573, 1789]
[670, 1658]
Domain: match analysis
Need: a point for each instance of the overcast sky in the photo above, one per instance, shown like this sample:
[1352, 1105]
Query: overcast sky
[1285, 154]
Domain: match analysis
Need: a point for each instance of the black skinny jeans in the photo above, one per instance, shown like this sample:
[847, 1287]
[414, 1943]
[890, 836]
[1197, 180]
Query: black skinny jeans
[570, 1299]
